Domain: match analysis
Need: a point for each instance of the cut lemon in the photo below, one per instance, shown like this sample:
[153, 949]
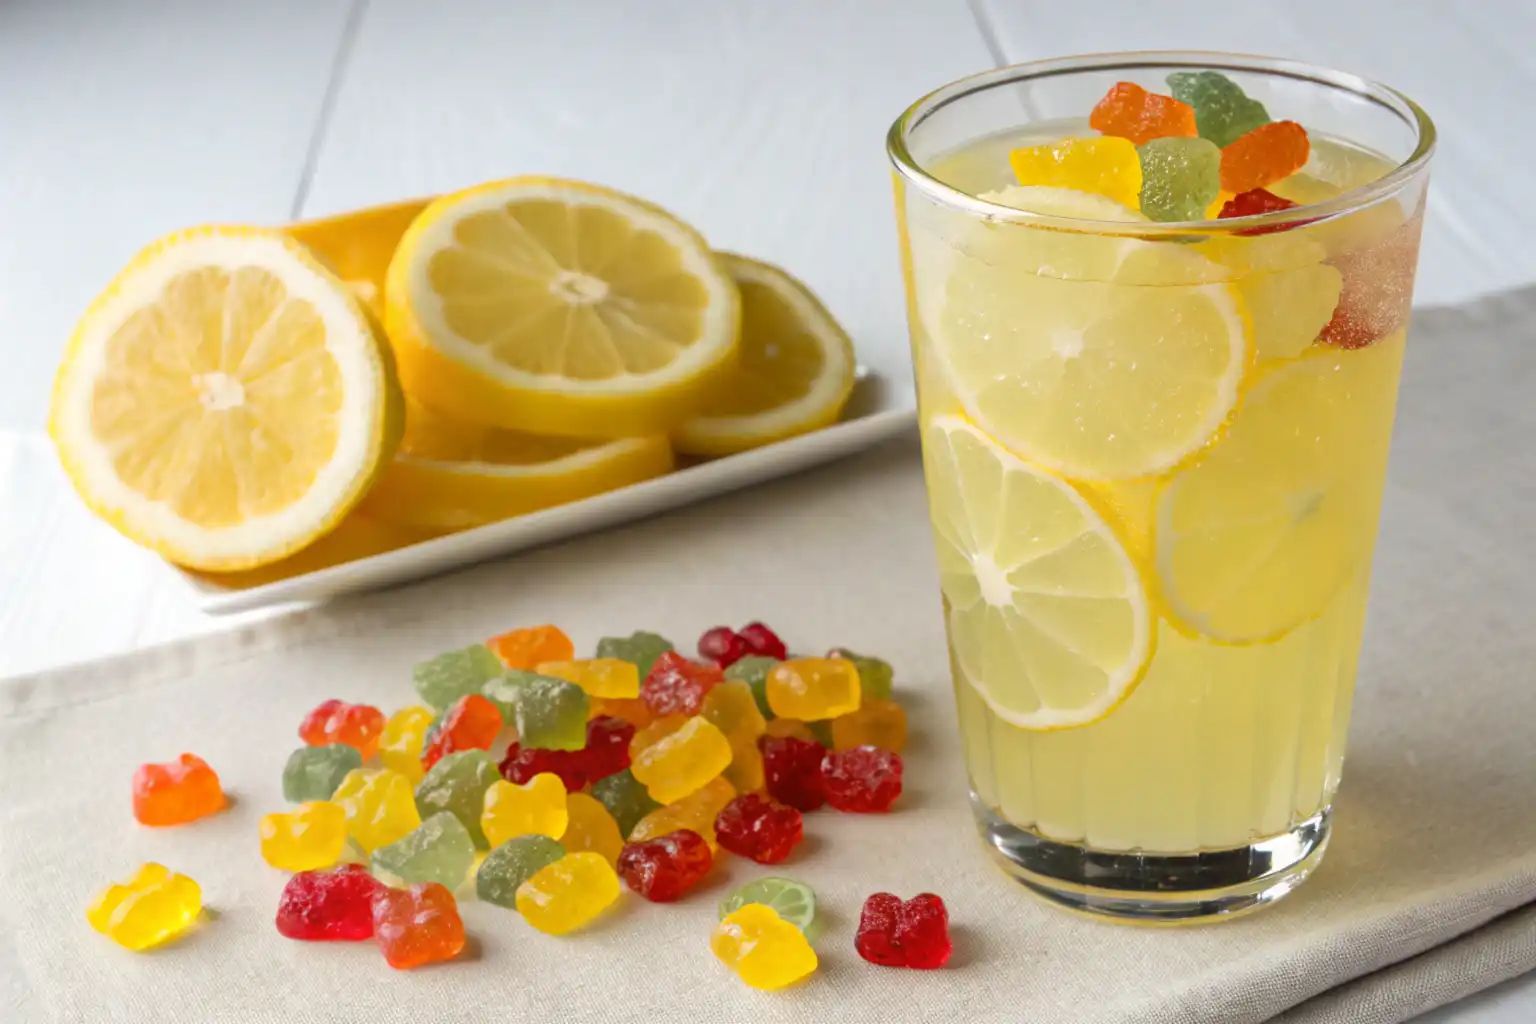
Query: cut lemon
[357, 246]
[224, 401]
[795, 370]
[1093, 378]
[557, 307]
[452, 476]
[1047, 613]
[1258, 536]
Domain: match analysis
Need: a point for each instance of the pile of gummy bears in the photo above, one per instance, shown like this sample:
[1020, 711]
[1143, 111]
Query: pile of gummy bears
[638, 764]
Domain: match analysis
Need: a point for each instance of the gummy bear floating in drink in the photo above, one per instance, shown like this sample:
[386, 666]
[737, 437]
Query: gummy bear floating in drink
[1131, 112]
[1180, 177]
[1264, 156]
[1106, 166]
[1223, 112]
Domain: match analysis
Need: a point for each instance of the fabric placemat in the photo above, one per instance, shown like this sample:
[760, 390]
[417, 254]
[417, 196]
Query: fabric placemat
[1428, 891]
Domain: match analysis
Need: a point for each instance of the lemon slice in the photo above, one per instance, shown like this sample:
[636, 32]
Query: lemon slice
[795, 370]
[557, 307]
[1047, 613]
[453, 476]
[1058, 346]
[224, 401]
[1258, 536]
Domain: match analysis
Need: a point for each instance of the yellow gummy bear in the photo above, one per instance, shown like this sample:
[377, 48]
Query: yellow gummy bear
[812, 689]
[695, 812]
[535, 808]
[380, 806]
[734, 711]
[1108, 166]
[609, 678]
[565, 895]
[683, 762]
[401, 743]
[591, 827]
[763, 949]
[155, 905]
[313, 836]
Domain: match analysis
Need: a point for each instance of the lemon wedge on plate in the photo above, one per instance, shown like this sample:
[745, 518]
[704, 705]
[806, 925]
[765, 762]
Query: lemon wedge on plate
[558, 307]
[224, 401]
[795, 370]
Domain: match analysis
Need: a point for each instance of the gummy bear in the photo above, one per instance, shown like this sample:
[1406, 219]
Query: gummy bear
[1107, 166]
[1130, 112]
[756, 827]
[176, 792]
[613, 678]
[764, 950]
[625, 798]
[511, 864]
[875, 675]
[439, 850]
[607, 749]
[151, 908]
[328, 906]
[591, 827]
[683, 762]
[640, 649]
[636, 712]
[522, 764]
[1264, 156]
[380, 807]
[666, 867]
[525, 648]
[877, 723]
[538, 807]
[914, 933]
[416, 926]
[792, 771]
[723, 646]
[313, 773]
[654, 733]
[865, 780]
[313, 836]
[569, 893]
[1223, 112]
[1180, 177]
[336, 721]
[696, 813]
[676, 686]
[471, 724]
[753, 670]
[745, 771]
[781, 727]
[763, 642]
[733, 709]
[813, 688]
[454, 674]
[1254, 202]
[550, 713]
[458, 783]
[1378, 288]
[402, 741]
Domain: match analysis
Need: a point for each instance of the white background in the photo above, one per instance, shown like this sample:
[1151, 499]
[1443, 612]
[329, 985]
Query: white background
[760, 121]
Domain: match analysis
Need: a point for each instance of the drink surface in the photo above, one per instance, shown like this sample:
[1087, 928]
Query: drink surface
[1155, 468]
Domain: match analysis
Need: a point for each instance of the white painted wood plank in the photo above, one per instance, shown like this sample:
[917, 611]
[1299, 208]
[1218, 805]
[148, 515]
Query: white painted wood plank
[761, 123]
[122, 121]
[1480, 234]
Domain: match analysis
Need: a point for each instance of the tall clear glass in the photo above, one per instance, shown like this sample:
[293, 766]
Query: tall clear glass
[1155, 455]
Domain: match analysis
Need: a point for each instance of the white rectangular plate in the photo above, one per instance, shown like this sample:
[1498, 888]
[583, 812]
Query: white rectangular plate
[876, 412]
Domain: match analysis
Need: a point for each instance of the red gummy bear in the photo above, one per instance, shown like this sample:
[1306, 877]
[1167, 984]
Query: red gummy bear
[607, 749]
[664, 868]
[676, 686]
[336, 721]
[910, 934]
[763, 642]
[416, 926]
[471, 724]
[522, 764]
[1378, 288]
[176, 792]
[1254, 202]
[328, 906]
[723, 646]
[792, 771]
[865, 780]
[754, 826]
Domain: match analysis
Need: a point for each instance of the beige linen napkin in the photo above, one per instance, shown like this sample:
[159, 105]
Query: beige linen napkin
[1428, 891]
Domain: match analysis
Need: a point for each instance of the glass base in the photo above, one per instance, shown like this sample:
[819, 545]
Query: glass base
[1156, 888]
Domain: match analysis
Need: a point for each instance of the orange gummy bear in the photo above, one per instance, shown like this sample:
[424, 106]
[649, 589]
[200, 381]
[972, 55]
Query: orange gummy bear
[336, 721]
[631, 709]
[1130, 112]
[176, 792]
[527, 648]
[1264, 156]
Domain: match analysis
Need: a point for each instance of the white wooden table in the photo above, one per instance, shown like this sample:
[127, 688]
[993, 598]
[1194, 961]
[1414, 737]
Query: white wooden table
[762, 123]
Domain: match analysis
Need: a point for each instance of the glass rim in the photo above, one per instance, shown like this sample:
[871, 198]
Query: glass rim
[1348, 201]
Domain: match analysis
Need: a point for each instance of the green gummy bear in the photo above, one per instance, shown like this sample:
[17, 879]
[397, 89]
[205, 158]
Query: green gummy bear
[639, 648]
[511, 864]
[626, 799]
[442, 680]
[1180, 177]
[457, 784]
[875, 675]
[313, 773]
[502, 691]
[753, 670]
[438, 850]
[550, 713]
[1223, 112]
